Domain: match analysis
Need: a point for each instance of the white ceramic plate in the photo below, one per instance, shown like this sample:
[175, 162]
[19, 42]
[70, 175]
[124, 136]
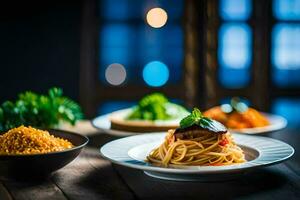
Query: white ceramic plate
[132, 151]
[276, 123]
[103, 123]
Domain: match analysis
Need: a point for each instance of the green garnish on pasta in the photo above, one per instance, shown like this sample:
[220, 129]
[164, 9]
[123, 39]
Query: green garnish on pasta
[196, 118]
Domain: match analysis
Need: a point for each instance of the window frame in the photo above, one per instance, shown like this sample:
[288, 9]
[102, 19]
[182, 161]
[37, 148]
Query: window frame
[92, 91]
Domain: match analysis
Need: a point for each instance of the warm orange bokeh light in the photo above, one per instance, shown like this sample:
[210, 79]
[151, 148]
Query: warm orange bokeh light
[157, 17]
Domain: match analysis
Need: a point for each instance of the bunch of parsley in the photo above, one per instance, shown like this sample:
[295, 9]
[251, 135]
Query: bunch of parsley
[44, 111]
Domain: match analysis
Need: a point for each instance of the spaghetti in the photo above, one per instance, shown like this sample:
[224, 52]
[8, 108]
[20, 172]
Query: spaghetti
[197, 146]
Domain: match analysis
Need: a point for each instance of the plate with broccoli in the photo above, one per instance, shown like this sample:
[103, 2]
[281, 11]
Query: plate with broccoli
[153, 113]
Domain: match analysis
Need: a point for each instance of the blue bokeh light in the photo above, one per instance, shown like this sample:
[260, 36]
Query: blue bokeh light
[235, 45]
[124, 38]
[156, 74]
[286, 9]
[286, 55]
[286, 46]
[235, 9]
[234, 54]
[152, 45]
[288, 108]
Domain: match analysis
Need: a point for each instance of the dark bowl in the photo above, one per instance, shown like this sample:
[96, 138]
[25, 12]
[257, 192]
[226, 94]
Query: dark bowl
[42, 165]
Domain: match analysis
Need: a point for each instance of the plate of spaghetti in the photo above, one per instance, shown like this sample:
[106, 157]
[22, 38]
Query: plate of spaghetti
[201, 149]
[240, 118]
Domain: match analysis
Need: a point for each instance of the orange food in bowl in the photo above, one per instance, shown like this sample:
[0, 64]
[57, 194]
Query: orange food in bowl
[29, 140]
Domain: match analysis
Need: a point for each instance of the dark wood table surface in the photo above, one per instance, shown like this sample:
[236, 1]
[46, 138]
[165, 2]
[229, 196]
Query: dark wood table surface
[92, 177]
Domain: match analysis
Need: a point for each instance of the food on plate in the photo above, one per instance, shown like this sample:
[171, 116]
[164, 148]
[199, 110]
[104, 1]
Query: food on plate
[29, 140]
[46, 111]
[198, 141]
[154, 112]
[237, 115]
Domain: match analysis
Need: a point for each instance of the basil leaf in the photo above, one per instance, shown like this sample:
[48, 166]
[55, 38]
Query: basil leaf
[187, 122]
[191, 119]
[212, 125]
[196, 114]
[203, 122]
[196, 118]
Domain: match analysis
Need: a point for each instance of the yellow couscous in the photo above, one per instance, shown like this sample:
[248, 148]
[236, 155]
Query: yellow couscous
[28, 140]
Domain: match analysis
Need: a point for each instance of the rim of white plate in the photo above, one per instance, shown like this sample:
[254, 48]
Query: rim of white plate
[271, 151]
[277, 123]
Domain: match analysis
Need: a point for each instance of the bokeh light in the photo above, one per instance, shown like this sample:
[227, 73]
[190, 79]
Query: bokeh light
[157, 17]
[155, 73]
[115, 74]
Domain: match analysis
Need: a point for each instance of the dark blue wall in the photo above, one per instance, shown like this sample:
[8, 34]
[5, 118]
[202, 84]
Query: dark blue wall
[39, 47]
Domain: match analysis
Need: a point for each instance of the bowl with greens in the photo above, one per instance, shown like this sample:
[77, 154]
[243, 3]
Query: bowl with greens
[37, 152]
[39, 110]
[153, 113]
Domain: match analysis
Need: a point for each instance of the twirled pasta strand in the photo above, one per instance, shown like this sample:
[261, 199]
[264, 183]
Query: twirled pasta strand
[203, 150]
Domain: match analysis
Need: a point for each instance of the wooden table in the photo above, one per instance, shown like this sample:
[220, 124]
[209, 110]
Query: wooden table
[91, 177]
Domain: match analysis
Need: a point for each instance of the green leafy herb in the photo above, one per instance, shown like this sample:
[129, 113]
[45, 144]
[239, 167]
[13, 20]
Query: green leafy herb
[191, 119]
[156, 107]
[196, 118]
[45, 111]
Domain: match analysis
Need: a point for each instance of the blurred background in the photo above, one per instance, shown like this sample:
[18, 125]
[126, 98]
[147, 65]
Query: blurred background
[107, 54]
